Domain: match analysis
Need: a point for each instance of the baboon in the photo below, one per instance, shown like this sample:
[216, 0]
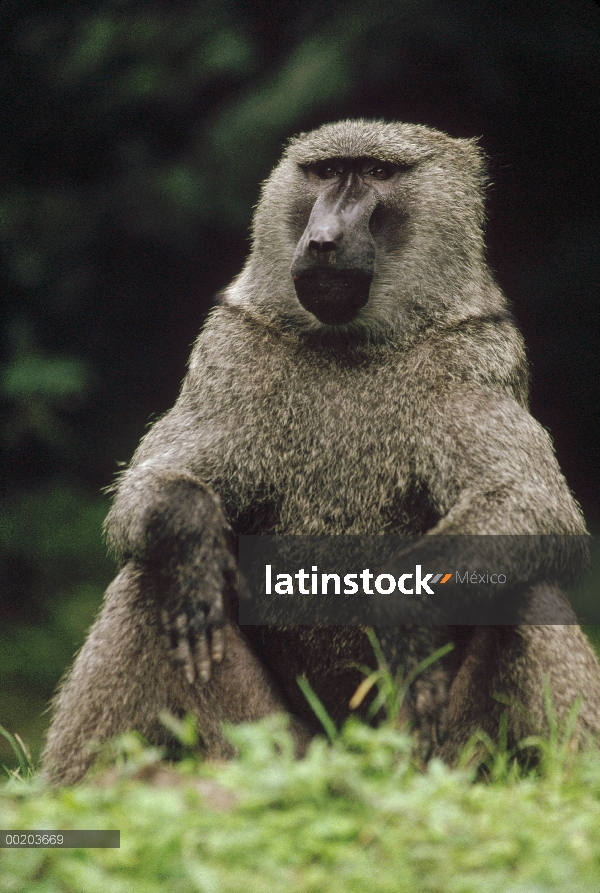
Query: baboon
[362, 375]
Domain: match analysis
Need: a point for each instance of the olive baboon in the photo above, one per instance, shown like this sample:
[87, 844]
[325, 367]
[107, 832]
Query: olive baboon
[364, 316]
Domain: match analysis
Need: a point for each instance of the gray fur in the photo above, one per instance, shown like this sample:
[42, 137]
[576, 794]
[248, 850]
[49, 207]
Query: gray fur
[411, 418]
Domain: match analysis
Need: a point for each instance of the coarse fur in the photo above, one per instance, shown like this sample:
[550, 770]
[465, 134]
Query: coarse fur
[411, 418]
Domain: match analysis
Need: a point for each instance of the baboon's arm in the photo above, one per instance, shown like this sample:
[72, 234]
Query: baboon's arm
[172, 525]
[489, 468]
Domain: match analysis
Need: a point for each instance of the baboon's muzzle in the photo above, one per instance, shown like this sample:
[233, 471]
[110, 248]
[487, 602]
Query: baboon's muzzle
[335, 258]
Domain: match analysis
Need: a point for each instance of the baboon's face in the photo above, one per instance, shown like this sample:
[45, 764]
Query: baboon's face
[346, 202]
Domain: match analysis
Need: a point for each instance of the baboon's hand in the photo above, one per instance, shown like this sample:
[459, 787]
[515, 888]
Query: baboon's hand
[192, 613]
[182, 543]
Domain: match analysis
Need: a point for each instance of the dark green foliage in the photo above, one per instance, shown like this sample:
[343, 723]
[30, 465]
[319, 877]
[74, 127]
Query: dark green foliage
[54, 570]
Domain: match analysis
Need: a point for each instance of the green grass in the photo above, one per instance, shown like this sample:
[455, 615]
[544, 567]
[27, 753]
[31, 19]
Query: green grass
[357, 815]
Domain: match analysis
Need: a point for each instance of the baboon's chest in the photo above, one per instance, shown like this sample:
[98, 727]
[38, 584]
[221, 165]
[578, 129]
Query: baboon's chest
[329, 455]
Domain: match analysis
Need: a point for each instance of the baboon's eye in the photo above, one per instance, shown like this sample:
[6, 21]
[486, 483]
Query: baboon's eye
[380, 172]
[327, 171]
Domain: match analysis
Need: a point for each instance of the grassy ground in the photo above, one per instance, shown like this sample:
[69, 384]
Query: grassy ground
[355, 815]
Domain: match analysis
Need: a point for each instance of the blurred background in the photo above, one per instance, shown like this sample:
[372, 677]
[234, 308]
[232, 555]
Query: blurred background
[134, 138]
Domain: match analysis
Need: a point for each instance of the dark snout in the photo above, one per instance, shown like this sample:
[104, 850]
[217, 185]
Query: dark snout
[334, 261]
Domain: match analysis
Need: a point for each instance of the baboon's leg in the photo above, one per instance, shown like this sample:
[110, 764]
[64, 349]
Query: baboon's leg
[122, 679]
[471, 706]
[512, 662]
[425, 707]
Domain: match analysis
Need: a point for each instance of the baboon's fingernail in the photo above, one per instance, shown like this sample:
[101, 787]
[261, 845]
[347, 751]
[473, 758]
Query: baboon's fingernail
[204, 673]
[218, 646]
[190, 671]
[181, 623]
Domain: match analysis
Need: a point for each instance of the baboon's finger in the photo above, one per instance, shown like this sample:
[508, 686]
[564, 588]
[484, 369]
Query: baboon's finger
[183, 655]
[203, 657]
[189, 665]
[217, 645]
